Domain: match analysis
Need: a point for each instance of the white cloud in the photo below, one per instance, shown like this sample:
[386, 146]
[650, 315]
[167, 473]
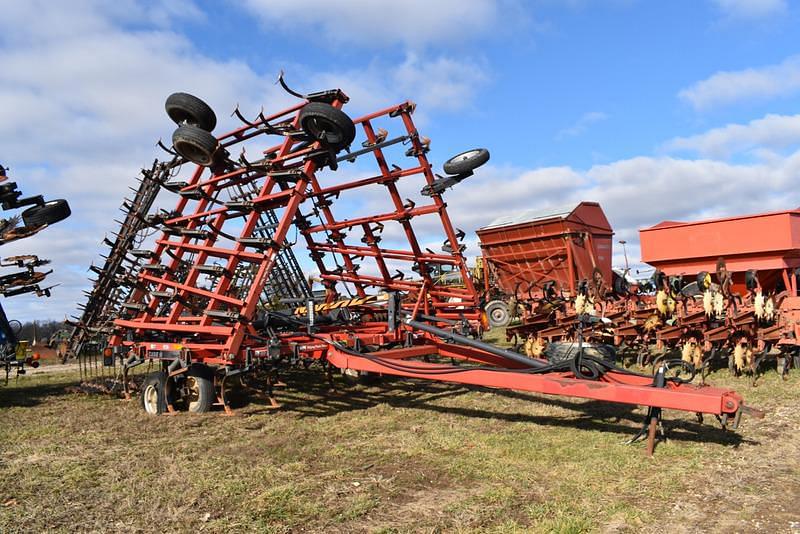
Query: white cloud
[379, 23]
[771, 132]
[751, 9]
[728, 87]
[635, 193]
[582, 124]
[439, 83]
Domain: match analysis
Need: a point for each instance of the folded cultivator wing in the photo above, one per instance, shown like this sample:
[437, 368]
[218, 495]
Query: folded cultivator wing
[38, 215]
[220, 293]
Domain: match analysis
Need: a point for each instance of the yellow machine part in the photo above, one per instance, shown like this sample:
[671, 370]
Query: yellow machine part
[742, 356]
[692, 353]
[346, 303]
[534, 347]
[665, 304]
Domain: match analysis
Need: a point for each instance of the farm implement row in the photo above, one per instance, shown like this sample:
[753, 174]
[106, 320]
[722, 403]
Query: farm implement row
[722, 289]
[211, 300]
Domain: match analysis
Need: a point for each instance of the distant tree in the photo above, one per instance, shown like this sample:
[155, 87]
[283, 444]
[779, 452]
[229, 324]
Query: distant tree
[42, 330]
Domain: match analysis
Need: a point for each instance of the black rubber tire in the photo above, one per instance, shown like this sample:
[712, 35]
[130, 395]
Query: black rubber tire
[195, 144]
[658, 280]
[327, 124]
[675, 283]
[184, 108]
[497, 313]
[52, 212]
[203, 377]
[466, 161]
[701, 281]
[153, 398]
[621, 286]
[8, 188]
[559, 351]
[751, 279]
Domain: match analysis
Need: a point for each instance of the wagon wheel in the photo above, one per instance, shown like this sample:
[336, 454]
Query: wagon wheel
[327, 124]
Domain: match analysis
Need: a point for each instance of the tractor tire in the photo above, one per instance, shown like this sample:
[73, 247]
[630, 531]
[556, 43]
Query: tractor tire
[153, 396]
[497, 313]
[200, 383]
[52, 212]
[195, 144]
[184, 108]
[327, 124]
[466, 161]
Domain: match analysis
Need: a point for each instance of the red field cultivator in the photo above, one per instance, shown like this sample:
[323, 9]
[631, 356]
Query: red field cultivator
[196, 305]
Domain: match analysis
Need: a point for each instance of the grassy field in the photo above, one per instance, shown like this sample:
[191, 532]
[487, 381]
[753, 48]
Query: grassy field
[403, 456]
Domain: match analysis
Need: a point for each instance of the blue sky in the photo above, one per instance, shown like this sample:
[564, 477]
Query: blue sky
[659, 110]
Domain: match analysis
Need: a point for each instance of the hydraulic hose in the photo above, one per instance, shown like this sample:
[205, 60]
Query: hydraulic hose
[474, 343]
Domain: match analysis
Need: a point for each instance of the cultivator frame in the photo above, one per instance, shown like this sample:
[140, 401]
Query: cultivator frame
[196, 316]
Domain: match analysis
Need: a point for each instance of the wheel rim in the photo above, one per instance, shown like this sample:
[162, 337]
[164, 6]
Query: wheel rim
[324, 130]
[498, 315]
[181, 116]
[150, 396]
[192, 394]
[469, 154]
[193, 153]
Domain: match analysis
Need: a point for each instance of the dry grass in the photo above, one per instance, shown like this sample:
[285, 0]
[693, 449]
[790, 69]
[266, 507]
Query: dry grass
[404, 456]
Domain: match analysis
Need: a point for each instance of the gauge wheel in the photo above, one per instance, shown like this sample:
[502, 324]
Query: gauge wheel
[51, 212]
[184, 108]
[198, 390]
[327, 124]
[152, 398]
[466, 161]
[195, 144]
